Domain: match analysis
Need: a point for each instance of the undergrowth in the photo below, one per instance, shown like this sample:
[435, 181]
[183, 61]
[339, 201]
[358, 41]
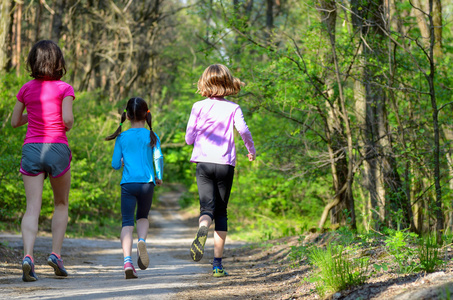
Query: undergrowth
[344, 259]
[338, 268]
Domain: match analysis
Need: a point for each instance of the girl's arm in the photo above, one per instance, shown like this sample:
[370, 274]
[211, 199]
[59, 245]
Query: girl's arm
[158, 162]
[117, 158]
[191, 132]
[19, 118]
[68, 116]
[244, 131]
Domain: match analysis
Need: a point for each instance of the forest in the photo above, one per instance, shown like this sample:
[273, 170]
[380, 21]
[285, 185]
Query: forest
[349, 104]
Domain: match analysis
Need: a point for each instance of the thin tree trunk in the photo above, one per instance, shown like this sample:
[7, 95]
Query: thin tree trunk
[418, 11]
[9, 40]
[37, 24]
[269, 18]
[5, 11]
[435, 115]
[338, 118]
[437, 23]
[18, 37]
[57, 21]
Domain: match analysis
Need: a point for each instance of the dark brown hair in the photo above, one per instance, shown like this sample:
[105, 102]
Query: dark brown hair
[46, 61]
[136, 110]
[217, 81]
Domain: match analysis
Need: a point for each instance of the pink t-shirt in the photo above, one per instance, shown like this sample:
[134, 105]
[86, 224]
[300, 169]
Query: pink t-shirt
[43, 100]
[210, 129]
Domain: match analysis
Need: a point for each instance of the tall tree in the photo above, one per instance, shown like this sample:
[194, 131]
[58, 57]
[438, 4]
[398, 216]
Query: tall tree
[370, 20]
[339, 133]
[57, 20]
[5, 38]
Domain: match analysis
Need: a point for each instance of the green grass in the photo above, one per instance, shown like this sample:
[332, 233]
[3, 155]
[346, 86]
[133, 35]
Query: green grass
[337, 268]
[428, 253]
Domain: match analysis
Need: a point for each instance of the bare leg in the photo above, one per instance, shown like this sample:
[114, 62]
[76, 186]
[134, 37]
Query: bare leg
[33, 191]
[219, 243]
[204, 220]
[197, 247]
[126, 240]
[142, 232]
[60, 186]
[142, 228]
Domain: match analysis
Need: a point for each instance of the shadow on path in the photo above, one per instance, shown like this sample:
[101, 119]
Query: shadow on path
[95, 266]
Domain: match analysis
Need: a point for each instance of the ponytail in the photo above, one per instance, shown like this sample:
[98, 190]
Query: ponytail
[118, 130]
[136, 110]
[152, 135]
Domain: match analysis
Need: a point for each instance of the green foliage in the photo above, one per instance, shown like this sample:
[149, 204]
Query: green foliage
[298, 253]
[398, 244]
[288, 75]
[338, 268]
[11, 188]
[428, 253]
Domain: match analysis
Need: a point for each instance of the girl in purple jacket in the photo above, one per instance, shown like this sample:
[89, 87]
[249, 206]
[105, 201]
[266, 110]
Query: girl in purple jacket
[210, 130]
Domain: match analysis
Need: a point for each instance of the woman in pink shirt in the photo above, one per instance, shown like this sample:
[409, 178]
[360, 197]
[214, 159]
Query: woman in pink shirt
[45, 151]
[210, 130]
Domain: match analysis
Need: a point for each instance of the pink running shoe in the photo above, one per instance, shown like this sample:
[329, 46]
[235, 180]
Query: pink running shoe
[129, 271]
[57, 265]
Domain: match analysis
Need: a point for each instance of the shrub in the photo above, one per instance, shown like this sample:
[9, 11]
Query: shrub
[398, 245]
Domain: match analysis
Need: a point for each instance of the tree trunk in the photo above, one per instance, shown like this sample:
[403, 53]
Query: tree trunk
[18, 37]
[437, 23]
[5, 11]
[435, 122]
[269, 18]
[57, 21]
[418, 11]
[37, 23]
[382, 178]
[339, 136]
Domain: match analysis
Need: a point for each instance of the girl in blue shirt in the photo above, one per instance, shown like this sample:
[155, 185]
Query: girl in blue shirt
[135, 150]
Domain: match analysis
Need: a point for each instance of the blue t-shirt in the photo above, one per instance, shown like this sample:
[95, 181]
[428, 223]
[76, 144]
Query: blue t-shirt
[133, 147]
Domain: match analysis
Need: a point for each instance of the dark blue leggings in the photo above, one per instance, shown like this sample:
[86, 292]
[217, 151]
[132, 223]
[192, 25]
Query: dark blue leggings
[136, 194]
[214, 183]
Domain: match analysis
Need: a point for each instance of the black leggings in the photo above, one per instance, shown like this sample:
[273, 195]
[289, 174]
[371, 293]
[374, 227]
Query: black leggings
[138, 195]
[214, 186]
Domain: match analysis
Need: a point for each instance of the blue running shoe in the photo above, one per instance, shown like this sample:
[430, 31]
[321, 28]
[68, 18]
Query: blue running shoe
[219, 272]
[28, 268]
[57, 265]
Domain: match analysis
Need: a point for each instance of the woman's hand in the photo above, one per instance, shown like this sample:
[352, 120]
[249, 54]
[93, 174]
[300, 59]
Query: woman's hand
[159, 182]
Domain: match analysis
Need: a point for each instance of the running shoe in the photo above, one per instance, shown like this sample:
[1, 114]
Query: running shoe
[129, 271]
[143, 258]
[197, 248]
[57, 265]
[219, 272]
[28, 269]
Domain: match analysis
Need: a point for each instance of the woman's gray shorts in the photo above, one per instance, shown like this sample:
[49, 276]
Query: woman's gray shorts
[53, 159]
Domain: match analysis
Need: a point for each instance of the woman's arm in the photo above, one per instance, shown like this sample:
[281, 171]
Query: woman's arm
[68, 116]
[19, 118]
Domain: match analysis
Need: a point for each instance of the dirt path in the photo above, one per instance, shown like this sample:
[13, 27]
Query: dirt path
[261, 271]
[95, 266]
